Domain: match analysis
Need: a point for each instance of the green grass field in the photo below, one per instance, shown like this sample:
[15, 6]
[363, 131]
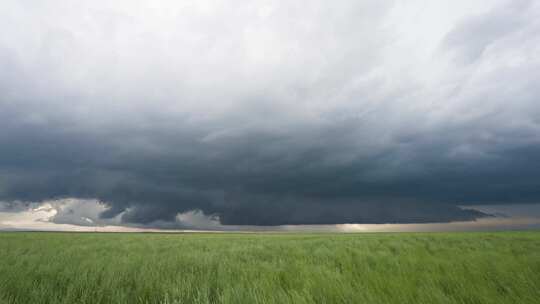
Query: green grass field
[499, 267]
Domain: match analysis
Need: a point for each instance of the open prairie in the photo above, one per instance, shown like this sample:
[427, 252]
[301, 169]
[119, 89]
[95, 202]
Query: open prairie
[498, 267]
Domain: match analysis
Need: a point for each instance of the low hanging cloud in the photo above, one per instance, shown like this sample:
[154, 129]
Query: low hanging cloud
[270, 112]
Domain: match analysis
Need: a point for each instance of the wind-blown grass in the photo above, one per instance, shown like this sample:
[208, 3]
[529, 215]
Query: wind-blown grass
[70, 268]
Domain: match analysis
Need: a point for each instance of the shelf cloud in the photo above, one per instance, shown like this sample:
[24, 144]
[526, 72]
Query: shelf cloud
[270, 112]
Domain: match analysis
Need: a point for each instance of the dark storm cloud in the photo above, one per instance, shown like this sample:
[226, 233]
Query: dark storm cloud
[271, 114]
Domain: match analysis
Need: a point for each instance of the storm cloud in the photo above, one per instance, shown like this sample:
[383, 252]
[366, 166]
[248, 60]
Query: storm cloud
[271, 112]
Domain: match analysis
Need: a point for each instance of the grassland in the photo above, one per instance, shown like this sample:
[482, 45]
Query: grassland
[270, 268]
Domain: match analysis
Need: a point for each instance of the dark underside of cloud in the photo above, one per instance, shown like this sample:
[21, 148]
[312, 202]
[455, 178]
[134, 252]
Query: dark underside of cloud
[310, 133]
[244, 184]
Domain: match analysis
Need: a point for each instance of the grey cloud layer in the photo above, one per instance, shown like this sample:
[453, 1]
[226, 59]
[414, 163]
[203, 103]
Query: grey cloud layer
[271, 112]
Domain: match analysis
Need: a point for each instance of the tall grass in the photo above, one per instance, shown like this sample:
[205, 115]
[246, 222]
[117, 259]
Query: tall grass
[270, 268]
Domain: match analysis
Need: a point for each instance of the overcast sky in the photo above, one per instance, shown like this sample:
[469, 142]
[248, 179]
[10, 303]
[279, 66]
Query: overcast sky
[187, 114]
